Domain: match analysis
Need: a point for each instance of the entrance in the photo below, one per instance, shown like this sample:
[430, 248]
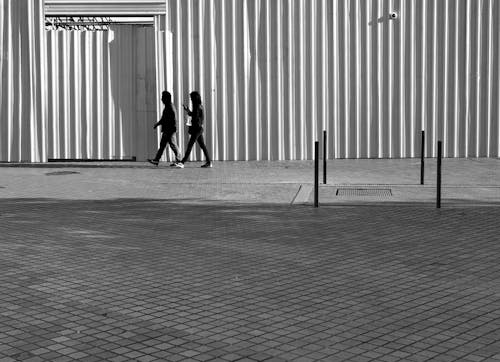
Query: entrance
[102, 88]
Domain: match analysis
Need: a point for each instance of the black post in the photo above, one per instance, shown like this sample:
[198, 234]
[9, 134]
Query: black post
[438, 184]
[422, 155]
[316, 171]
[324, 157]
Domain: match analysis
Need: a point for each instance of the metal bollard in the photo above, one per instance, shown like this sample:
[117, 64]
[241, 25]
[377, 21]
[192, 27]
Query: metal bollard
[422, 156]
[324, 157]
[316, 176]
[438, 183]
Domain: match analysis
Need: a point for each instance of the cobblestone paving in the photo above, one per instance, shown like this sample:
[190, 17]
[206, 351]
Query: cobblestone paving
[162, 280]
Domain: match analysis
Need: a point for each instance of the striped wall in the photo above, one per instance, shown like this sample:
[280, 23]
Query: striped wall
[102, 93]
[22, 79]
[274, 74]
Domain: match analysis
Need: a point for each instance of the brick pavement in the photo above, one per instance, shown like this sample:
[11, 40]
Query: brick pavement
[208, 278]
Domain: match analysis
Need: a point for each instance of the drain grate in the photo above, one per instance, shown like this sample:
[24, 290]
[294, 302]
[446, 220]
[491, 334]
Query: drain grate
[60, 173]
[363, 192]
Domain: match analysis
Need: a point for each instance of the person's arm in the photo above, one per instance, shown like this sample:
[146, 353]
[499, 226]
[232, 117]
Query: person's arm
[200, 116]
[174, 115]
[187, 110]
[160, 121]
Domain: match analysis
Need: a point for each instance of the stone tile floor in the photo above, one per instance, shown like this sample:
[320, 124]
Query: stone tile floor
[169, 280]
[137, 263]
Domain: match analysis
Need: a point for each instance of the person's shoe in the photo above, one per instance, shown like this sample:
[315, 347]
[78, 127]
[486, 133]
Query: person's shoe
[173, 164]
[154, 162]
[208, 165]
[179, 165]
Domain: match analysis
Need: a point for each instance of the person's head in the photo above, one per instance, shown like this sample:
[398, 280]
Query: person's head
[195, 98]
[166, 97]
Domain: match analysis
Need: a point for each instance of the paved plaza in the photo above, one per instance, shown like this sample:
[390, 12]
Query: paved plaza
[131, 262]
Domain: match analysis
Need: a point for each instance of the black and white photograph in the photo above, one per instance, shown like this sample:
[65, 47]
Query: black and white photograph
[250, 180]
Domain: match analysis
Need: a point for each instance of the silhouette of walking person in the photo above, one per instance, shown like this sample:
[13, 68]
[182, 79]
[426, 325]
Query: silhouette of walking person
[196, 130]
[168, 124]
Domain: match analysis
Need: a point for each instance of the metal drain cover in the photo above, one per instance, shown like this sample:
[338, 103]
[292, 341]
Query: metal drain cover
[363, 192]
[60, 173]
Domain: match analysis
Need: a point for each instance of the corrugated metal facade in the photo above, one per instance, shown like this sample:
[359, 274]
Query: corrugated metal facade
[105, 7]
[274, 73]
[102, 93]
[23, 90]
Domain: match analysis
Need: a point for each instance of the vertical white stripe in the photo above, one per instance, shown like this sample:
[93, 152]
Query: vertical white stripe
[413, 89]
[111, 108]
[77, 96]
[246, 65]
[478, 75]
[402, 81]
[2, 94]
[189, 44]
[369, 71]
[100, 110]
[498, 100]
[279, 46]
[490, 77]
[336, 78]
[446, 78]
[89, 86]
[291, 81]
[457, 101]
[467, 75]
[234, 117]
[380, 80]
[67, 115]
[324, 72]
[302, 83]
[357, 36]
[268, 79]
[159, 76]
[201, 48]
[391, 77]
[32, 83]
[435, 75]
[424, 74]
[257, 78]
[347, 75]
[223, 93]
[213, 82]
[313, 75]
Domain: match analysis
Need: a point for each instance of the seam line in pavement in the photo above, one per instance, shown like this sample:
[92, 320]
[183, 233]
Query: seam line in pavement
[302, 195]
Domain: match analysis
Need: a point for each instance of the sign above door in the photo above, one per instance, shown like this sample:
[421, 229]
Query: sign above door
[104, 7]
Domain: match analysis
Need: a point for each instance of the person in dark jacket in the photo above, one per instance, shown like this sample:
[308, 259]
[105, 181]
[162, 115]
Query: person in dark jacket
[168, 123]
[196, 130]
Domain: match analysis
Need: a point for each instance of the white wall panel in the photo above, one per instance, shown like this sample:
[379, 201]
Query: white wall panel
[22, 71]
[274, 74]
[102, 93]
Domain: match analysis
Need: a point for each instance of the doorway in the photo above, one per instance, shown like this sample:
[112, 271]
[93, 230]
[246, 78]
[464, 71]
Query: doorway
[102, 99]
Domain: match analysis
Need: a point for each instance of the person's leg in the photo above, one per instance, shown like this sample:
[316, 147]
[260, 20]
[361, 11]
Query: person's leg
[201, 142]
[163, 144]
[173, 145]
[190, 144]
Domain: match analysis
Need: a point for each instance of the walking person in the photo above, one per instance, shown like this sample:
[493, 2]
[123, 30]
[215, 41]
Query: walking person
[168, 124]
[196, 130]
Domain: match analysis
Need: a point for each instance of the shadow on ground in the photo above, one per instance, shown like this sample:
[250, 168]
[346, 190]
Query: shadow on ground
[171, 280]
